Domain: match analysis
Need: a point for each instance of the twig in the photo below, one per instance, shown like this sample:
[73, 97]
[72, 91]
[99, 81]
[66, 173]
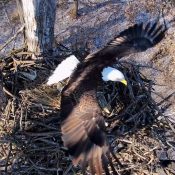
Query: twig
[170, 125]
[134, 150]
[33, 134]
[43, 168]
[9, 93]
[12, 38]
[125, 141]
[48, 142]
[68, 169]
[8, 156]
[165, 99]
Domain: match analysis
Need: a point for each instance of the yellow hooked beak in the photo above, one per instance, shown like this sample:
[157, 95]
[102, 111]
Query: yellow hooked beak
[124, 82]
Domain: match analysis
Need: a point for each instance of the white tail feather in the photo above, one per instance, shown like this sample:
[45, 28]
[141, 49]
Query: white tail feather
[63, 70]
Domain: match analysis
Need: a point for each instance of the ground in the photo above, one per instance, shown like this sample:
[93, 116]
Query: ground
[26, 142]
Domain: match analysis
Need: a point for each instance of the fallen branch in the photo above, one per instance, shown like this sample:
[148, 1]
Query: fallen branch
[12, 38]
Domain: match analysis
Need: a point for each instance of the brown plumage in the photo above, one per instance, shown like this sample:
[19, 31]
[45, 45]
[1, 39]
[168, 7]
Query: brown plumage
[83, 126]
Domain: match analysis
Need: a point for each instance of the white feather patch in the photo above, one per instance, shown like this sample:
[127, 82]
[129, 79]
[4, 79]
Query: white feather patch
[63, 70]
[112, 74]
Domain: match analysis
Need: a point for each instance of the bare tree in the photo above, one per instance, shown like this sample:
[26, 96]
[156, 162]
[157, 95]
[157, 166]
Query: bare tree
[38, 17]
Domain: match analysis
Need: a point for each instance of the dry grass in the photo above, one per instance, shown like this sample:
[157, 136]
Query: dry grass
[30, 125]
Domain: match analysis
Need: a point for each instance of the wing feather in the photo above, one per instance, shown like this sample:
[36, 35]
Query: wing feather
[140, 36]
[84, 136]
[136, 38]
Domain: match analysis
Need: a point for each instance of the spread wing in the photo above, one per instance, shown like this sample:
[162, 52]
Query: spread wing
[141, 36]
[83, 134]
[135, 39]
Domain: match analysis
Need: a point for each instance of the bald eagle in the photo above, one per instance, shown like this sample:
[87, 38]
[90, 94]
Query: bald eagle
[83, 125]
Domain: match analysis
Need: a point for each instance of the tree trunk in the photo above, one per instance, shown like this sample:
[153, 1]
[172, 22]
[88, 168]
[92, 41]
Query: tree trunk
[38, 17]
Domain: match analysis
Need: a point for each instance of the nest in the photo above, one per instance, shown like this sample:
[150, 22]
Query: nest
[30, 125]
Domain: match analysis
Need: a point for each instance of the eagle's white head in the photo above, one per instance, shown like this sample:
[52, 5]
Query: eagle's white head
[112, 74]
